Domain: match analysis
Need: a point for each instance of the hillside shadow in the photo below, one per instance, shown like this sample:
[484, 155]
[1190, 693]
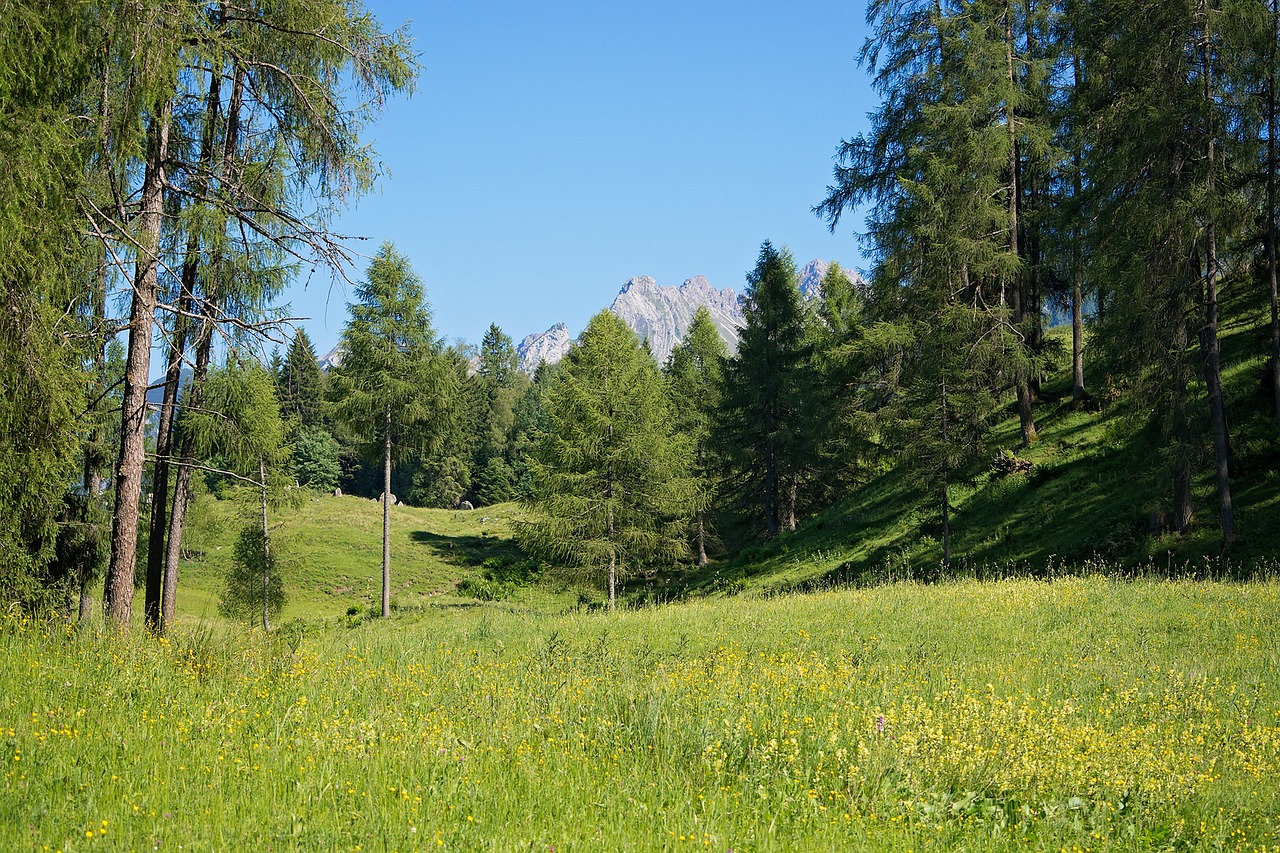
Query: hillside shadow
[467, 550]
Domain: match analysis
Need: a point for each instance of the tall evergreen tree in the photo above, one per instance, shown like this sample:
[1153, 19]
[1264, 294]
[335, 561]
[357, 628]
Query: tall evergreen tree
[394, 387]
[762, 425]
[302, 385]
[611, 474]
[695, 379]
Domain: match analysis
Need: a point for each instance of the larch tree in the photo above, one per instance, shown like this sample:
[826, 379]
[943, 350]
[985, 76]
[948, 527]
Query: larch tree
[395, 389]
[240, 424]
[611, 475]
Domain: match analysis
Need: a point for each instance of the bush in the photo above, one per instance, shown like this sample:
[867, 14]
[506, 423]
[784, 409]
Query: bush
[242, 594]
[315, 460]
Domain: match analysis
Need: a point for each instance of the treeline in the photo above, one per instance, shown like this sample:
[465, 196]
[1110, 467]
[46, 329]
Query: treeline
[1108, 153]
[177, 162]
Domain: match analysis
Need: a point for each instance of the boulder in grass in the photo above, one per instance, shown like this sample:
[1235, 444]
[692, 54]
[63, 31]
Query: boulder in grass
[465, 505]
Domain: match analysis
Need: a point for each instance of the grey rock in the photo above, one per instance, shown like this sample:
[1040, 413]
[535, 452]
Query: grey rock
[549, 346]
[812, 273]
[337, 493]
[466, 505]
[662, 314]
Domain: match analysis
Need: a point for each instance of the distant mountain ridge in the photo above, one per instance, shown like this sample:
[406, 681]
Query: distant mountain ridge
[662, 314]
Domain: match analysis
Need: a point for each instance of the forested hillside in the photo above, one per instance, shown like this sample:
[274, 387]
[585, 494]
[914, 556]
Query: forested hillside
[169, 167]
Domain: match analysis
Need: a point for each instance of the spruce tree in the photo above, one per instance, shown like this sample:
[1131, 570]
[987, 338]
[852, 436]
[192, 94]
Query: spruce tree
[762, 430]
[611, 475]
[302, 385]
[695, 378]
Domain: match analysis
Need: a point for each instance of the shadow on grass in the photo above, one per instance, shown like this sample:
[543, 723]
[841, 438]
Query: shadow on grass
[467, 550]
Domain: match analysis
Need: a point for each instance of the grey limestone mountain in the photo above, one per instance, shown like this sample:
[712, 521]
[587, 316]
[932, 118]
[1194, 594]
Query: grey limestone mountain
[662, 314]
[812, 273]
[549, 346]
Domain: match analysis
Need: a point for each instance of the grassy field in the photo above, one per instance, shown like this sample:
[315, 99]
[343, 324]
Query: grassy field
[1079, 714]
[331, 556]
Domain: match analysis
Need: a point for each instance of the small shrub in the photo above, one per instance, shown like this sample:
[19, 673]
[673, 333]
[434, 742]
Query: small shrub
[243, 591]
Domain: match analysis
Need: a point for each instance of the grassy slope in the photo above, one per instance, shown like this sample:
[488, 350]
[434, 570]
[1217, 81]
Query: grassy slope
[1098, 481]
[332, 555]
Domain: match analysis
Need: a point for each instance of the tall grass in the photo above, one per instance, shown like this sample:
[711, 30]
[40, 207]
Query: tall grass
[1079, 713]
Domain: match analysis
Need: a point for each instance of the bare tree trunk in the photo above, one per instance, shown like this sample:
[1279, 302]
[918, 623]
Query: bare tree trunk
[386, 515]
[118, 589]
[793, 488]
[613, 566]
[702, 540]
[1271, 205]
[946, 468]
[1016, 298]
[1077, 268]
[156, 550]
[266, 550]
[1209, 342]
[1182, 507]
[204, 346]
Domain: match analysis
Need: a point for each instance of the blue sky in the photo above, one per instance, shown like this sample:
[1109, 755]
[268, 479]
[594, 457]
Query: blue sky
[554, 150]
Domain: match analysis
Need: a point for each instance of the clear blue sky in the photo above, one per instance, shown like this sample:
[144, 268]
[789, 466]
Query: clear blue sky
[554, 150]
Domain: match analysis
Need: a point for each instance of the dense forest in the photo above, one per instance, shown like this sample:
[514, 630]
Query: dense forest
[168, 166]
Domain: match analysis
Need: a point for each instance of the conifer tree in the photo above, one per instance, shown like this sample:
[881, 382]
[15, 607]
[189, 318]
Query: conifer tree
[695, 378]
[242, 426]
[302, 385]
[394, 387]
[762, 428]
[611, 475]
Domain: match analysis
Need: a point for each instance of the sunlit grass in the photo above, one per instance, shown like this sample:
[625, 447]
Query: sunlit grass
[1083, 713]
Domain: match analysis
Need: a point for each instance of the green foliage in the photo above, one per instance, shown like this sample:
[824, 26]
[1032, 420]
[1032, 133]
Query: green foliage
[315, 459]
[394, 381]
[764, 431]
[242, 593]
[240, 420]
[301, 385]
[611, 476]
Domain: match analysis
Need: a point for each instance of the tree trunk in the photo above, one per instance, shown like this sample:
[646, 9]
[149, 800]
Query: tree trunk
[1271, 205]
[793, 488]
[613, 565]
[946, 468]
[386, 514]
[1209, 343]
[1016, 298]
[204, 345]
[156, 550]
[1077, 269]
[702, 540]
[1181, 433]
[118, 589]
[266, 550]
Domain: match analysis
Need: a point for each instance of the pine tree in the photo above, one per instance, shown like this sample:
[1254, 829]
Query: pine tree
[695, 378]
[302, 385]
[611, 475]
[762, 431]
[394, 386]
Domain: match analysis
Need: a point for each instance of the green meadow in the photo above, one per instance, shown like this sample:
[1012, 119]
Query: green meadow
[1081, 713]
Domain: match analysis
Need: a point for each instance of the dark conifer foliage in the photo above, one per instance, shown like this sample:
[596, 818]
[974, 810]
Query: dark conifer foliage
[761, 433]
